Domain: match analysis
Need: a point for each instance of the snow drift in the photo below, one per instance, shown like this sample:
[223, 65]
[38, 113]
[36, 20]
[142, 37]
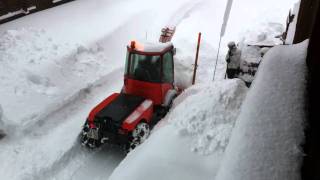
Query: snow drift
[36, 68]
[209, 115]
[265, 143]
[192, 137]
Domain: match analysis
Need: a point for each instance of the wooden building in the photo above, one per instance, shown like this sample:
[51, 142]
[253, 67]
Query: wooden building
[14, 6]
[308, 27]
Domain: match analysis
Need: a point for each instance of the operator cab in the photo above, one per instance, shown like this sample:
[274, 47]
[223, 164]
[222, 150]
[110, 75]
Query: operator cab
[149, 70]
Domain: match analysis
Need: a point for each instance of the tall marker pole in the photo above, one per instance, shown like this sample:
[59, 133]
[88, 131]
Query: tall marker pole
[196, 60]
[223, 30]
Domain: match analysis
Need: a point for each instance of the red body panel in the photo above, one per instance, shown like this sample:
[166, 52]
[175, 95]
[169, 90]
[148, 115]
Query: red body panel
[147, 90]
[165, 88]
[99, 107]
[143, 112]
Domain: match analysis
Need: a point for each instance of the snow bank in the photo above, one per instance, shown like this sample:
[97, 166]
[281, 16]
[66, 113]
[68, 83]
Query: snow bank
[35, 67]
[265, 143]
[184, 63]
[209, 115]
[264, 34]
[256, 16]
[192, 138]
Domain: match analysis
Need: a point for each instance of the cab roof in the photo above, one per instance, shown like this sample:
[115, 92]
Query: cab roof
[150, 47]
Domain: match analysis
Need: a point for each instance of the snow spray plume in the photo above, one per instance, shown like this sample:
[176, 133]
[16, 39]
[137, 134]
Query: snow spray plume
[223, 30]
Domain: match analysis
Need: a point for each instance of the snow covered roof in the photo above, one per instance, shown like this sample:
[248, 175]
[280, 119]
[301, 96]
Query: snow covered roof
[150, 46]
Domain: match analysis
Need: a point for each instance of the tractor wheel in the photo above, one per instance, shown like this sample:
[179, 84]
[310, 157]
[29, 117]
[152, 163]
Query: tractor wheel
[138, 136]
[85, 140]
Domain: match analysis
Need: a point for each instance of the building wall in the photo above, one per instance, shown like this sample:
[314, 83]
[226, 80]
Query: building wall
[308, 27]
[9, 6]
[306, 19]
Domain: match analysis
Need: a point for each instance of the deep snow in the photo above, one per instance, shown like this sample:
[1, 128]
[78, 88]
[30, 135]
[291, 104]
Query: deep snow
[52, 74]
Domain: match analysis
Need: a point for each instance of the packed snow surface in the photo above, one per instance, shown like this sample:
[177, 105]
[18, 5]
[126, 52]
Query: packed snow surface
[190, 141]
[267, 138]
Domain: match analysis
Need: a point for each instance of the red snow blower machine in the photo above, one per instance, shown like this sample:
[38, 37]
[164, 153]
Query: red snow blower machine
[126, 118]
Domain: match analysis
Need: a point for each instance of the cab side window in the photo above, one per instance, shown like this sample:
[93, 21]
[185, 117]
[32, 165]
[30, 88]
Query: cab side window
[167, 62]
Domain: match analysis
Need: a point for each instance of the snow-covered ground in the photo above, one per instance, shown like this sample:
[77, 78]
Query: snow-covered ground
[57, 64]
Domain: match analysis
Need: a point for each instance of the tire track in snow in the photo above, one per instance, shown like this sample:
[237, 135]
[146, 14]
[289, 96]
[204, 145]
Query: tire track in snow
[58, 140]
[77, 154]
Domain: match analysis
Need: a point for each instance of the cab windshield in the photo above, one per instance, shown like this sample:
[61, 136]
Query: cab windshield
[144, 67]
